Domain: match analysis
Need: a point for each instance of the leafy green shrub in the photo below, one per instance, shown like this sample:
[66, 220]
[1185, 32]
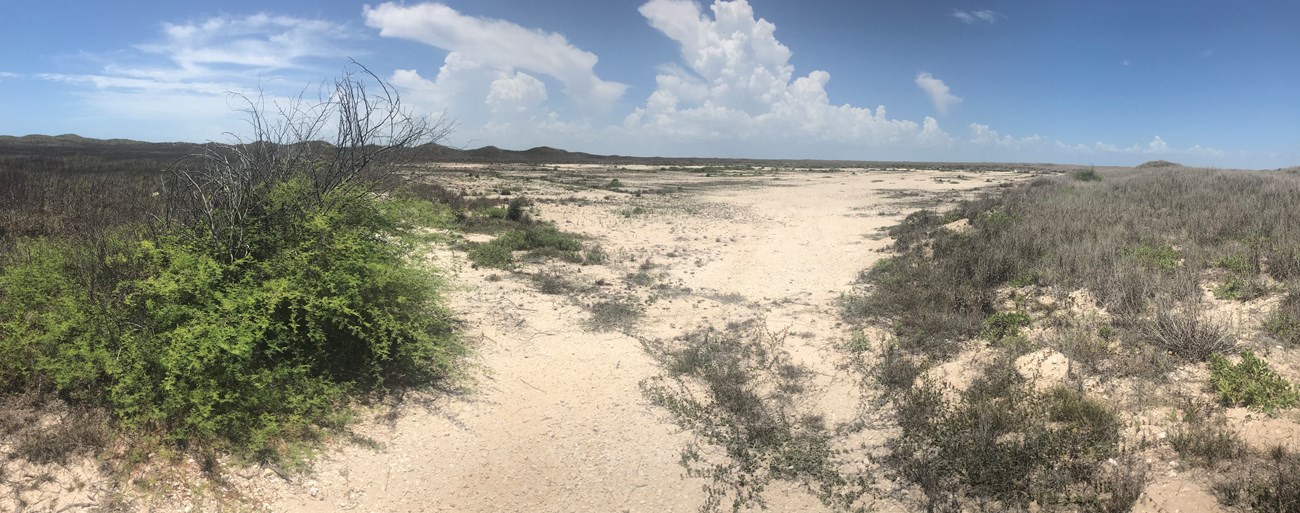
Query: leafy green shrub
[496, 256]
[249, 353]
[1251, 383]
[594, 255]
[540, 240]
[1237, 264]
[1004, 324]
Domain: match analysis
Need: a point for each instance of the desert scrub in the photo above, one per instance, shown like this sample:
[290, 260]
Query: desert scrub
[1132, 240]
[540, 240]
[1251, 383]
[737, 389]
[1284, 321]
[619, 314]
[1188, 332]
[999, 442]
[1204, 436]
[1086, 175]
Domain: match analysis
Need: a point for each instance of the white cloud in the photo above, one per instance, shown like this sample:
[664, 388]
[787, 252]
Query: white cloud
[1126, 62]
[982, 135]
[736, 84]
[938, 92]
[500, 45]
[260, 41]
[976, 16]
[1157, 147]
[194, 67]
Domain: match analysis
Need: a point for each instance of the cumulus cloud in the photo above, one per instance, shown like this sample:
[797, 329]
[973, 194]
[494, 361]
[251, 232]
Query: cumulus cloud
[736, 82]
[978, 16]
[938, 92]
[499, 45]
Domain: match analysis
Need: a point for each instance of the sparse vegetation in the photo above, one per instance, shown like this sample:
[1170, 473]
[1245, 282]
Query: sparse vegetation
[1002, 445]
[1204, 438]
[614, 314]
[737, 390]
[1141, 244]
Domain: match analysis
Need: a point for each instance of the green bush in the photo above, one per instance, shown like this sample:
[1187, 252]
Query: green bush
[249, 354]
[1251, 383]
[1004, 324]
[540, 240]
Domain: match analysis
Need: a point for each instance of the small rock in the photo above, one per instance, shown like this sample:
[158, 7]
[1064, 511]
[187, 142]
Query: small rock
[315, 491]
[1162, 435]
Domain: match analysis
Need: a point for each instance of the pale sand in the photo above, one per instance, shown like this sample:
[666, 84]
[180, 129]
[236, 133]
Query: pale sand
[556, 421]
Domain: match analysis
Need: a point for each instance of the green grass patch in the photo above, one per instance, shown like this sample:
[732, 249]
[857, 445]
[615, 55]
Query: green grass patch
[1004, 324]
[1251, 383]
[1158, 256]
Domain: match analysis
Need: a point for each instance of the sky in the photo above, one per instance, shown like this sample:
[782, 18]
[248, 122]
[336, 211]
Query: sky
[1208, 83]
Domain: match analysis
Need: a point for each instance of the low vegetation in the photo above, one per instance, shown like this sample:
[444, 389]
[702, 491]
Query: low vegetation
[1145, 246]
[1251, 383]
[737, 390]
[1003, 445]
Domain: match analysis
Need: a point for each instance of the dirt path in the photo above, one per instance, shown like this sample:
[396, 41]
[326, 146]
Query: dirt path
[553, 419]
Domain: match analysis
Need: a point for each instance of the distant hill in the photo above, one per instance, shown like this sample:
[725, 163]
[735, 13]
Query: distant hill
[69, 145]
[1158, 163]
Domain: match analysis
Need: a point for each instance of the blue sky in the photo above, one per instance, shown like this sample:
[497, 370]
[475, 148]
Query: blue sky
[1199, 82]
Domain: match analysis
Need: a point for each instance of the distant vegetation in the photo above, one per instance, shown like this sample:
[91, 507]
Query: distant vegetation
[1158, 164]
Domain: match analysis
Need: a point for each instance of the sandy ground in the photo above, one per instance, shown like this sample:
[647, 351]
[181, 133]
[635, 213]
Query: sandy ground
[554, 420]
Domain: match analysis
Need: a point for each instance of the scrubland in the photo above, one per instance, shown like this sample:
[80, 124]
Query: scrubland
[563, 337]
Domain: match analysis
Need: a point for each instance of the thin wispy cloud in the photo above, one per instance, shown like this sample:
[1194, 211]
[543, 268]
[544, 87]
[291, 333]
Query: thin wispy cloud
[939, 94]
[1126, 62]
[976, 16]
[194, 66]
